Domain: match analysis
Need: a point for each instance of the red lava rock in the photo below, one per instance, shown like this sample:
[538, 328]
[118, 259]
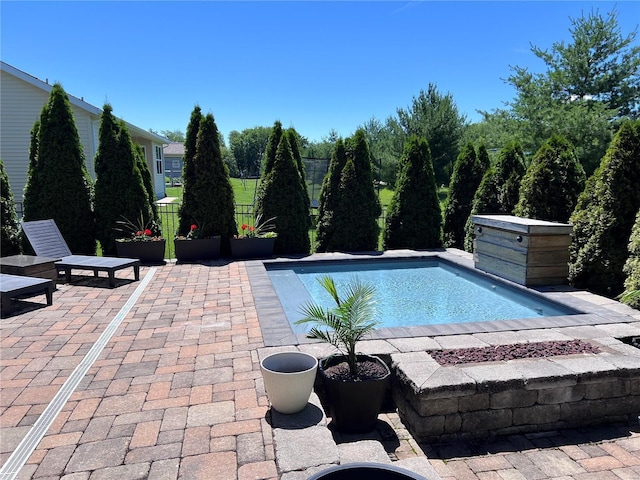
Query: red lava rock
[511, 352]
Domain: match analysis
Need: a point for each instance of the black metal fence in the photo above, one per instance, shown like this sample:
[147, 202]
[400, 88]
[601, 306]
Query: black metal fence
[168, 213]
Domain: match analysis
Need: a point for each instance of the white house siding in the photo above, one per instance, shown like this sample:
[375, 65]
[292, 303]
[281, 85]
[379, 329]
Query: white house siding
[22, 97]
[20, 107]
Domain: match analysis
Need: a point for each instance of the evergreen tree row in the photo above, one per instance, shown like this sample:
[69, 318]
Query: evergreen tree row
[59, 187]
[58, 183]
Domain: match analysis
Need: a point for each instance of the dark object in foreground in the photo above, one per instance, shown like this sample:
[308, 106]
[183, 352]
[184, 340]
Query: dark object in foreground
[366, 471]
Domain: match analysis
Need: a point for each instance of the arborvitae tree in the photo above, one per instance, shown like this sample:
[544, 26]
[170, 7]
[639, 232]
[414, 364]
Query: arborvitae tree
[329, 195]
[112, 177]
[604, 216]
[268, 162]
[135, 206]
[356, 231]
[147, 181]
[60, 180]
[295, 152]
[550, 188]
[188, 173]
[214, 208]
[31, 194]
[414, 219]
[284, 200]
[120, 191]
[632, 268]
[467, 175]
[483, 157]
[10, 240]
[269, 157]
[499, 189]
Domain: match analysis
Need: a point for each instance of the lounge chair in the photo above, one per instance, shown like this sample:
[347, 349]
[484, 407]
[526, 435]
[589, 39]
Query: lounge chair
[14, 286]
[46, 240]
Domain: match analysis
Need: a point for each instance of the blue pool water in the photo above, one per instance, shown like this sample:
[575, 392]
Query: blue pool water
[411, 292]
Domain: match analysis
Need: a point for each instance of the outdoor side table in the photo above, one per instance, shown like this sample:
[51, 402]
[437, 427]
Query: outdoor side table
[29, 266]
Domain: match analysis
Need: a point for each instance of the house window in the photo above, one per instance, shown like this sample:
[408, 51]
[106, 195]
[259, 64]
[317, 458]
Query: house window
[159, 160]
[176, 164]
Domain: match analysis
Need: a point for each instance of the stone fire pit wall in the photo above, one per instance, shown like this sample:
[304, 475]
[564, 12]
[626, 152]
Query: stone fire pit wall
[523, 250]
[482, 400]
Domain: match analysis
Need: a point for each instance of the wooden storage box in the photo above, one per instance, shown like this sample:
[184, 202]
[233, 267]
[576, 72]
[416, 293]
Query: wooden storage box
[523, 250]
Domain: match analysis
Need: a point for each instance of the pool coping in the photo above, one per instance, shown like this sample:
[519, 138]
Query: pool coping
[276, 330]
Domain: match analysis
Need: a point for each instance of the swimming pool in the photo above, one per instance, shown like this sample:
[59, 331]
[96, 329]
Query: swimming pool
[411, 292]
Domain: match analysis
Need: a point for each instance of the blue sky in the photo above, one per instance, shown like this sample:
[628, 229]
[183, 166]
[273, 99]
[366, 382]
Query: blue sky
[315, 66]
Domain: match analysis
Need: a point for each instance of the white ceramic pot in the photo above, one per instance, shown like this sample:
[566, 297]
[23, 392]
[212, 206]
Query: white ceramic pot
[288, 379]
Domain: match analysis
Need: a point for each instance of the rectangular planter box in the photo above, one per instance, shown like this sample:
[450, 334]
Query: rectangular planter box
[244, 248]
[523, 250]
[151, 252]
[197, 249]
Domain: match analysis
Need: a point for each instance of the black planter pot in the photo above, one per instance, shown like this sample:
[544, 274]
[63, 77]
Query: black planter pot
[151, 252]
[366, 471]
[196, 249]
[354, 405]
[242, 248]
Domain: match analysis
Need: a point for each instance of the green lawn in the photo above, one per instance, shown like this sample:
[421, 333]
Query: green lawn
[244, 193]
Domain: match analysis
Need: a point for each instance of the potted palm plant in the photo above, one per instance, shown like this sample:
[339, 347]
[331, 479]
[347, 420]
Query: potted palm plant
[355, 384]
[255, 241]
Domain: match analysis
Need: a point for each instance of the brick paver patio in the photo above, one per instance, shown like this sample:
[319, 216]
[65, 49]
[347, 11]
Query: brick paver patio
[176, 392]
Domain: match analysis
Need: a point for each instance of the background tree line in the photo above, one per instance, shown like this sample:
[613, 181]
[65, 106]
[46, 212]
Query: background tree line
[588, 86]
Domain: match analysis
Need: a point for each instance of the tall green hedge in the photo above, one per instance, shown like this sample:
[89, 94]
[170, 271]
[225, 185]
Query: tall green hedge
[294, 139]
[10, 238]
[268, 161]
[355, 218]
[214, 206]
[414, 218]
[283, 199]
[59, 186]
[483, 157]
[329, 192]
[185, 218]
[467, 174]
[269, 157]
[550, 188]
[31, 198]
[147, 181]
[120, 190]
[499, 189]
[632, 268]
[604, 215]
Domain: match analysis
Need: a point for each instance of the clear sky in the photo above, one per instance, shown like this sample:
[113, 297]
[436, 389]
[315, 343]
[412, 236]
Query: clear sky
[315, 66]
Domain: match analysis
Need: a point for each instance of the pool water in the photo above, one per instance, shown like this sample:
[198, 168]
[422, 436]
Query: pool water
[411, 292]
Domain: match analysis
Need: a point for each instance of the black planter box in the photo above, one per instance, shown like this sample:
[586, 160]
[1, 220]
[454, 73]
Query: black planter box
[197, 249]
[252, 247]
[151, 252]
